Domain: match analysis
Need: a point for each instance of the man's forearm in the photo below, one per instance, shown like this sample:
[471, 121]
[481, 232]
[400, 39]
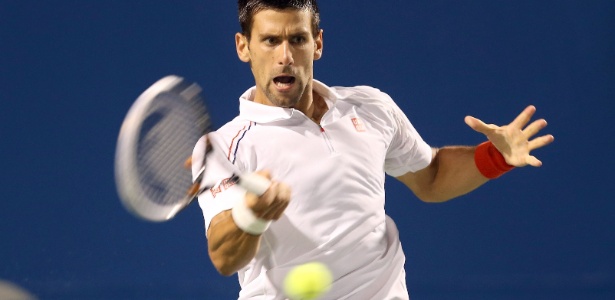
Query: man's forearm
[457, 173]
[451, 173]
[229, 247]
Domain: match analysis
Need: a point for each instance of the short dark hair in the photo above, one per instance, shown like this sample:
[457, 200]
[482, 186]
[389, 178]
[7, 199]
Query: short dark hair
[248, 8]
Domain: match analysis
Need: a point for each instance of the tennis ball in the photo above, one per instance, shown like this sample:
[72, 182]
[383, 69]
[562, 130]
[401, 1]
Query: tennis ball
[308, 281]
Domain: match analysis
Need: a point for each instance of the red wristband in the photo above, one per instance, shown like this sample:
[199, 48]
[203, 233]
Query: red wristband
[489, 161]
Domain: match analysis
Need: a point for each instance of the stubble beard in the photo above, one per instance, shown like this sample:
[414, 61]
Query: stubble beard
[285, 102]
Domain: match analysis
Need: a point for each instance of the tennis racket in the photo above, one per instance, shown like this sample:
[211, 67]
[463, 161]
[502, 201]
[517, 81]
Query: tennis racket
[157, 135]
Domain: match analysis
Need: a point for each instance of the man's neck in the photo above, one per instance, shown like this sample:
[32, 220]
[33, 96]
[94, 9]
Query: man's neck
[318, 108]
[312, 104]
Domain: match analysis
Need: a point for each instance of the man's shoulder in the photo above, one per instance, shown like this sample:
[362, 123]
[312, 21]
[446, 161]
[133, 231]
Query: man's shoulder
[367, 97]
[235, 125]
[359, 92]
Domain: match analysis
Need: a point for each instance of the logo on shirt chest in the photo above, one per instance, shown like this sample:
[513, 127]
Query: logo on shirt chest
[359, 126]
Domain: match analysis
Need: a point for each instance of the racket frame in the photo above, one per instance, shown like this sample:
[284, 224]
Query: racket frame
[126, 152]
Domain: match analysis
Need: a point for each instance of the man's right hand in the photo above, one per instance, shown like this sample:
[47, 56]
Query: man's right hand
[270, 205]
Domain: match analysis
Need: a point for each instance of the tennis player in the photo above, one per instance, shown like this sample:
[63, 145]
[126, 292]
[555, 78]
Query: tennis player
[327, 151]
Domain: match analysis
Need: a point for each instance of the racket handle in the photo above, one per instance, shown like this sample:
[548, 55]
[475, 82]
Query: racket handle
[254, 183]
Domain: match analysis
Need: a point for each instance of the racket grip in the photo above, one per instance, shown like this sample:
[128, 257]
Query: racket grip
[254, 183]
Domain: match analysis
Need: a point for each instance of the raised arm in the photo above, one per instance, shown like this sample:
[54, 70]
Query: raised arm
[234, 235]
[457, 170]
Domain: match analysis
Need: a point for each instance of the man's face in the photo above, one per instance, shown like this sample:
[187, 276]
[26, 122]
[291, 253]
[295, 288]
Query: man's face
[281, 53]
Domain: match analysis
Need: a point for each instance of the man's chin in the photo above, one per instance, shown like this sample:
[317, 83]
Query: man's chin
[284, 99]
[286, 103]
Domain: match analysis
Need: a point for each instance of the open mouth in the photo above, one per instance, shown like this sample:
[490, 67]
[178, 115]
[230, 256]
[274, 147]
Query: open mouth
[284, 81]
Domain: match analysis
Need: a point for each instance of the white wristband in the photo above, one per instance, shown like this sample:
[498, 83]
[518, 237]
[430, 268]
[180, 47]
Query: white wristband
[246, 220]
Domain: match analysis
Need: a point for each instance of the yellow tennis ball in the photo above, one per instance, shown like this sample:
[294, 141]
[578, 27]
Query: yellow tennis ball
[308, 281]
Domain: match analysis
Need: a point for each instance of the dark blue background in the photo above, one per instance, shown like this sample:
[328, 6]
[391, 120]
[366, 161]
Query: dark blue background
[71, 69]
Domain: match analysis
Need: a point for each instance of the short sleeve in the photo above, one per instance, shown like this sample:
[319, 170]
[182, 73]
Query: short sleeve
[223, 194]
[407, 152]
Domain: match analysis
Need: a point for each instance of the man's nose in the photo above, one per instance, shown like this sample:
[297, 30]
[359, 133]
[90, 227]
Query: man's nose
[285, 56]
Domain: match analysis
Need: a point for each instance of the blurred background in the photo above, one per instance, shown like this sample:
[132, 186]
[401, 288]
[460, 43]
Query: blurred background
[69, 71]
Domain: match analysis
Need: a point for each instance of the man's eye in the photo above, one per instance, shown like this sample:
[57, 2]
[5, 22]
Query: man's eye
[271, 41]
[299, 40]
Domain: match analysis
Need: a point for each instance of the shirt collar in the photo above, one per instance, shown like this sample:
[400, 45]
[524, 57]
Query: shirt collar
[261, 113]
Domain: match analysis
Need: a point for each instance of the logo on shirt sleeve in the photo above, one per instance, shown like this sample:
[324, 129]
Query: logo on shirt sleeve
[222, 186]
[358, 124]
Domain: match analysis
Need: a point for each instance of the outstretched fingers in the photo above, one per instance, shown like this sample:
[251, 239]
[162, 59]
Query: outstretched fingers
[479, 125]
[540, 142]
[524, 117]
[533, 161]
[534, 128]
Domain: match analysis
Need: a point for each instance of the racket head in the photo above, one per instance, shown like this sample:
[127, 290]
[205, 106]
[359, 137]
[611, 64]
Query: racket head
[157, 136]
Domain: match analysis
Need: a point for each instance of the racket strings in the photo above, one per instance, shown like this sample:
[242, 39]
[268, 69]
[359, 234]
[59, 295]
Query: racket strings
[167, 134]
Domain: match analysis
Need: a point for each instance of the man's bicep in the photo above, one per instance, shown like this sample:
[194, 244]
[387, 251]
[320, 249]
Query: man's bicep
[420, 182]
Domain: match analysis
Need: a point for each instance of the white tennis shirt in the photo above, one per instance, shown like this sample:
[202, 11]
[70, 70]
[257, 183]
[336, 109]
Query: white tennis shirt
[336, 171]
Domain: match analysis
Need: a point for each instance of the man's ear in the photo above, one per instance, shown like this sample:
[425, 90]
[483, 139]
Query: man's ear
[318, 45]
[243, 49]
